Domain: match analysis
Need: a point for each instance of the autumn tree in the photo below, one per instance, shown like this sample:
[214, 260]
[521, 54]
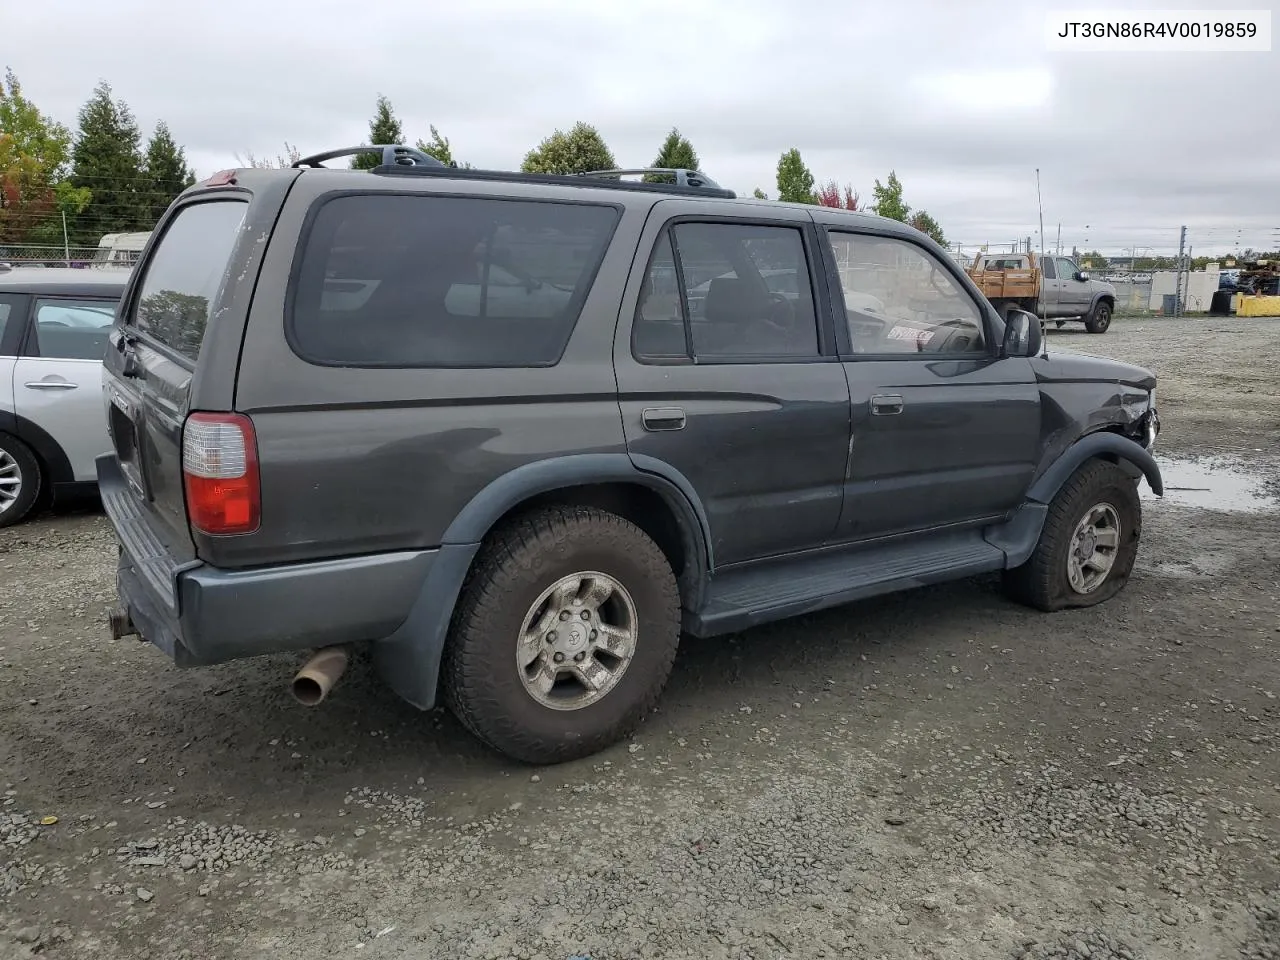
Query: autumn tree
[831, 194]
[795, 180]
[926, 224]
[888, 199]
[281, 162]
[581, 150]
[384, 128]
[676, 153]
[107, 159]
[35, 156]
[166, 171]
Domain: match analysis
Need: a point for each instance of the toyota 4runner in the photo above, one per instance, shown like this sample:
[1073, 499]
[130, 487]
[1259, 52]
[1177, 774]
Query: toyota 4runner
[514, 433]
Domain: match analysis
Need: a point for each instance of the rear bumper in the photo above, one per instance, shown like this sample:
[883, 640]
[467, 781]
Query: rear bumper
[200, 615]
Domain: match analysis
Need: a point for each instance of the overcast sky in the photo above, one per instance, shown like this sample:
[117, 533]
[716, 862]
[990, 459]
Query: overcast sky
[961, 98]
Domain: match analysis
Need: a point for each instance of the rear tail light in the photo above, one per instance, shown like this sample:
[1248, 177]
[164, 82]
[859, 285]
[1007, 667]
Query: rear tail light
[220, 473]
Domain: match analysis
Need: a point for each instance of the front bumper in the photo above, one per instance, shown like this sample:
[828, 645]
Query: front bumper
[198, 614]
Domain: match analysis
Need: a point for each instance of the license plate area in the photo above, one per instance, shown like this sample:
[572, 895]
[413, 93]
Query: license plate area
[124, 432]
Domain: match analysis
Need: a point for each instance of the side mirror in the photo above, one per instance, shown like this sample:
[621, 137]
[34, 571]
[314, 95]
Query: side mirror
[1082, 275]
[1023, 335]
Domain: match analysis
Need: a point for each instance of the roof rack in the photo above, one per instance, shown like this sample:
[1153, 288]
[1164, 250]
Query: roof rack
[392, 155]
[681, 176]
[689, 183]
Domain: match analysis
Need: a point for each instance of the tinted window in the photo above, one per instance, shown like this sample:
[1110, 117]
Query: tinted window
[445, 281]
[73, 329]
[1049, 272]
[899, 299]
[6, 307]
[186, 272]
[746, 295]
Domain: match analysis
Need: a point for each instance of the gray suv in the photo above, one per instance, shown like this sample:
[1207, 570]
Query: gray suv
[467, 421]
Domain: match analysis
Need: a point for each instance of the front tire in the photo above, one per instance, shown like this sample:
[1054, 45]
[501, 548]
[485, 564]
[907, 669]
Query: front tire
[1100, 318]
[564, 636]
[1088, 545]
[20, 480]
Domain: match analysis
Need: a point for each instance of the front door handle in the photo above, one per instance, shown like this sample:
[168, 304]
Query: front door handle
[662, 418]
[51, 385]
[886, 405]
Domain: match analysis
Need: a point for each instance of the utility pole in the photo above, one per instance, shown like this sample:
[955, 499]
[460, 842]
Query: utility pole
[1040, 205]
[1059, 243]
[66, 247]
[1177, 277]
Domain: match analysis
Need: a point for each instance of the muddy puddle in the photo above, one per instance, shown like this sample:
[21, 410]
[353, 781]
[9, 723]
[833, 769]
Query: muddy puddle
[1216, 484]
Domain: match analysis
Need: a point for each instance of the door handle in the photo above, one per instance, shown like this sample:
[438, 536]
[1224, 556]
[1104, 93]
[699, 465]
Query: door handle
[663, 418]
[51, 385]
[886, 405]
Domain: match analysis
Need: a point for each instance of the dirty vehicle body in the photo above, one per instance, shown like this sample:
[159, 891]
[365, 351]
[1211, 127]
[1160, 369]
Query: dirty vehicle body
[468, 418]
[53, 334]
[1053, 288]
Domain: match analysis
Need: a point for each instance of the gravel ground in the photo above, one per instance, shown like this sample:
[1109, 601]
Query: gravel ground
[937, 774]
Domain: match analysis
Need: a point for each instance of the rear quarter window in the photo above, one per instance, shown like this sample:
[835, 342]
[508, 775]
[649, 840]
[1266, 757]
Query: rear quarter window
[427, 281]
[183, 275]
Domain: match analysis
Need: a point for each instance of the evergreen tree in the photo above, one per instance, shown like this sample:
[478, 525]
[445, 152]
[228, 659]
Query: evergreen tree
[166, 171]
[439, 148]
[581, 150]
[676, 153]
[795, 180]
[384, 129]
[759, 194]
[107, 160]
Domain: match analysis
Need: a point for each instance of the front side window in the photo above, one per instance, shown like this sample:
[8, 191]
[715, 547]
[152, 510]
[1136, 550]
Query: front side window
[1067, 269]
[72, 329]
[185, 273]
[428, 281]
[901, 300]
[745, 295]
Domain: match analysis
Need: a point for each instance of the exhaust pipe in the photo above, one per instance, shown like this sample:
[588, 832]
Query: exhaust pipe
[318, 675]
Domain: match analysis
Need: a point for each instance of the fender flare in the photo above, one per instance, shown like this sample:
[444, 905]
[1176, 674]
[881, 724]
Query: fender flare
[49, 451]
[1091, 445]
[477, 518]
[409, 660]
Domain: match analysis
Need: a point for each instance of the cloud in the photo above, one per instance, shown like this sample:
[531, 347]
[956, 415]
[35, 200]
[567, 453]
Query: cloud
[962, 100]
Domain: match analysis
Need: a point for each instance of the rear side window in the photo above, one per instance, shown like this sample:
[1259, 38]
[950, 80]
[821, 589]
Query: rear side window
[186, 271]
[424, 281]
[73, 329]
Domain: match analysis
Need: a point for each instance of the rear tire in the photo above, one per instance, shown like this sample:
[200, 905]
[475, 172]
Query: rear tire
[521, 594]
[1099, 496]
[1100, 319]
[21, 480]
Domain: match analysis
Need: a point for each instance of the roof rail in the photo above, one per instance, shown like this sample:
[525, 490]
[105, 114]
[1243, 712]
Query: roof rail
[565, 180]
[681, 175]
[392, 155]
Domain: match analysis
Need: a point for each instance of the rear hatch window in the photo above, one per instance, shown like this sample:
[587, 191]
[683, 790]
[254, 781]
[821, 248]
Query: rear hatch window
[184, 273]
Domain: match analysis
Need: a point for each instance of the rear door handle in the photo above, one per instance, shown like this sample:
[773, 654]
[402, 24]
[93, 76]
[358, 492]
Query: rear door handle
[51, 385]
[886, 405]
[663, 418]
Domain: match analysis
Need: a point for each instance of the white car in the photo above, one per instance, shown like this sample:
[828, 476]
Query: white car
[53, 334]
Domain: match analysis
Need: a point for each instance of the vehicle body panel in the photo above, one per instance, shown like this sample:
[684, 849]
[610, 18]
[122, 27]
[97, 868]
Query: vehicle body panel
[764, 444]
[359, 459]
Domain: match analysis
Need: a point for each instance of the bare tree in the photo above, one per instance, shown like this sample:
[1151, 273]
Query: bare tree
[281, 162]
